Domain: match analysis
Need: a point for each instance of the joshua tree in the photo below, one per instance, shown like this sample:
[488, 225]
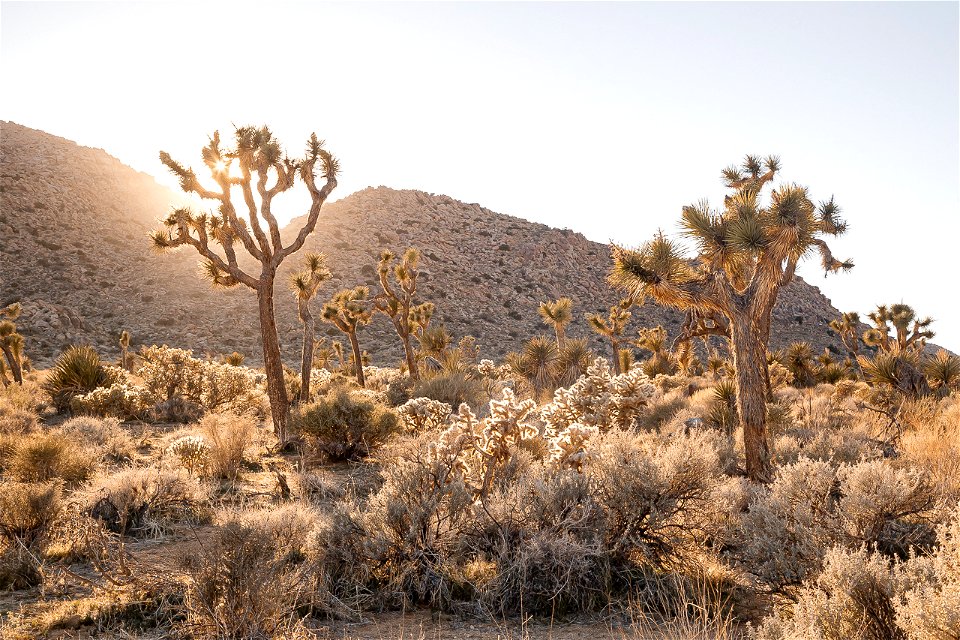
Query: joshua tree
[347, 310]
[11, 343]
[396, 301]
[612, 328]
[558, 314]
[124, 347]
[847, 327]
[305, 285]
[747, 252]
[215, 236]
[910, 332]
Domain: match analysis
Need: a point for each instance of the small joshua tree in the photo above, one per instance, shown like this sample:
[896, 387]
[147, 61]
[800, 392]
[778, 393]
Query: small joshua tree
[347, 310]
[216, 236]
[847, 327]
[654, 340]
[612, 328]
[396, 301]
[11, 344]
[558, 315]
[748, 251]
[305, 285]
[124, 347]
[909, 332]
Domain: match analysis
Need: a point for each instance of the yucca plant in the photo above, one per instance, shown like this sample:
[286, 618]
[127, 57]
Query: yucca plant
[897, 369]
[942, 370]
[256, 154]
[723, 409]
[234, 359]
[612, 328]
[747, 252]
[77, 370]
[396, 301]
[305, 285]
[558, 315]
[654, 341]
[573, 360]
[537, 364]
[348, 310]
[798, 358]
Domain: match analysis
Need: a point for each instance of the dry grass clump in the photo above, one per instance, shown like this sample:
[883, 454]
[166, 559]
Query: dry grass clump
[27, 511]
[45, 456]
[454, 389]
[229, 437]
[146, 502]
[245, 582]
[935, 447]
[345, 424]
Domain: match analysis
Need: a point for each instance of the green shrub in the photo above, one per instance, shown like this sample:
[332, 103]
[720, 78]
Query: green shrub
[346, 425]
[453, 389]
[78, 370]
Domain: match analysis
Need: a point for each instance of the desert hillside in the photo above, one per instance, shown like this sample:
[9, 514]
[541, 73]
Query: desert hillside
[74, 224]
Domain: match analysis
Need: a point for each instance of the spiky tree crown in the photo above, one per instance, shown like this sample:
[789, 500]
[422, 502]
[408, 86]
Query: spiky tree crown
[900, 320]
[558, 312]
[615, 322]
[746, 244]
[305, 283]
[348, 309]
[259, 160]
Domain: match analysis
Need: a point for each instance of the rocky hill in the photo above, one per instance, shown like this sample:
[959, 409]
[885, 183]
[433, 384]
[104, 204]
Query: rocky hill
[74, 250]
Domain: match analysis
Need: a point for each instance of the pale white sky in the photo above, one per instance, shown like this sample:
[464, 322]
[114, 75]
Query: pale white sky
[604, 118]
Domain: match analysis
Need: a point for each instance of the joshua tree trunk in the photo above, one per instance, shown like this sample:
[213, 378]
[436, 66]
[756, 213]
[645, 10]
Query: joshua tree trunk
[561, 335]
[272, 364]
[306, 355]
[15, 370]
[411, 358]
[749, 359]
[617, 369]
[357, 358]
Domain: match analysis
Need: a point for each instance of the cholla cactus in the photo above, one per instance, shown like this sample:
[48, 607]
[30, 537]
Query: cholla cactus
[599, 400]
[568, 448]
[424, 414]
[479, 447]
[123, 399]
[192, 452]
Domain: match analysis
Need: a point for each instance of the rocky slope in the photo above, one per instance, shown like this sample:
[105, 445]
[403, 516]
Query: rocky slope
[74, 250]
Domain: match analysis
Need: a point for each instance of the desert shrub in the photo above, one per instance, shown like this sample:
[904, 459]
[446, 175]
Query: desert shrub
[19, 568]
[15, 420]
[883, 507]
[929, 607]
[787, 528]
[423, 414]
[851, 599]
[228, 436]
[146, 501]
[191, 452]
[243, 585]
[655, 492]
[78, 370]
[29, 397]
[453, 388]
[345, 424]
[541, 534]
[379, 379]
[210, 386]
[399, 543]
[935, 447]
[28, 510]
[45, 456]
[105, 435]
[600, 399]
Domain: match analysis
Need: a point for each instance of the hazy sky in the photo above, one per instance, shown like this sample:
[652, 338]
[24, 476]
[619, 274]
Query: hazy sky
[604, 118]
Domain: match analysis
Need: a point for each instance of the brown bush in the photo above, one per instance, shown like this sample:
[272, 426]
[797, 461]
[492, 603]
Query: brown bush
[44, 456]
[27, 511]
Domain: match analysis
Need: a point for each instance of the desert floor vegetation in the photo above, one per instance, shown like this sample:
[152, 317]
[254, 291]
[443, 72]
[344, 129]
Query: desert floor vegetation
[616, 506]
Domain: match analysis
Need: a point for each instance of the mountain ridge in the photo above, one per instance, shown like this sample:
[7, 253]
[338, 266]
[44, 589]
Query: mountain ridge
[73, 233]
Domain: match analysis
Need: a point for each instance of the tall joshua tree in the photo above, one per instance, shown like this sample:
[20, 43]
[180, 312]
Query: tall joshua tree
[396, 301]
[558, 314]
[305, 285]
[11, 343]
[347, 310]
[748, 251]
[256, 157]
[612, 328]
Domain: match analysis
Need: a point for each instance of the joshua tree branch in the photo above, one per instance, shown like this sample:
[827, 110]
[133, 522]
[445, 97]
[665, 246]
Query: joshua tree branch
[319, 197]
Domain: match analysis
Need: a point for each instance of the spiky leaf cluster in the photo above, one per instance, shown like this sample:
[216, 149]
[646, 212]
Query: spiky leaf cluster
[348, 309]
[908, 331]
[748, 244]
